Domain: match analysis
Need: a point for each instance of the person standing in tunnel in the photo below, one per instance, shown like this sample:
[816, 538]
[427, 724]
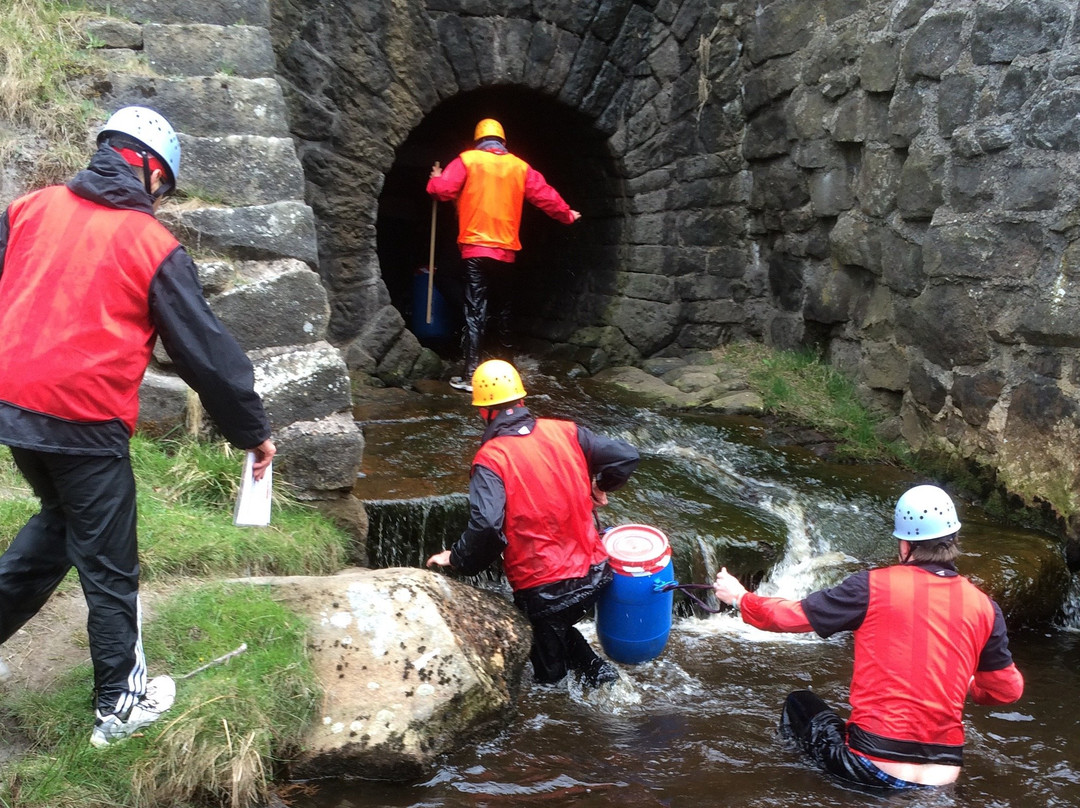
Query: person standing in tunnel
[925, 639]
[534, 485]
[89, 280]
[490, 186]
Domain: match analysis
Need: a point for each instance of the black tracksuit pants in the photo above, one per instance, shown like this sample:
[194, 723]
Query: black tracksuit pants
[87, 521]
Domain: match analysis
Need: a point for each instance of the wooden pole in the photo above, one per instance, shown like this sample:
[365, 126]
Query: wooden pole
[431, 256]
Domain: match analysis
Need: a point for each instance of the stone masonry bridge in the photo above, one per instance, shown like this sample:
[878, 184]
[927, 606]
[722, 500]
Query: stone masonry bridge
[893, 183]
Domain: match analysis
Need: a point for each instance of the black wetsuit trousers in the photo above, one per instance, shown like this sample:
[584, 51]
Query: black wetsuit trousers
[86, 521]
[487, 297]
[559, 647]
[822, 734]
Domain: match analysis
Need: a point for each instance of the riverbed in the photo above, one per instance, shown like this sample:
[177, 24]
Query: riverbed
[697, 726]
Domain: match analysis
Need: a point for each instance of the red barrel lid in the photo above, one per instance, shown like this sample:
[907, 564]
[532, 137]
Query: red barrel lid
[637, 549]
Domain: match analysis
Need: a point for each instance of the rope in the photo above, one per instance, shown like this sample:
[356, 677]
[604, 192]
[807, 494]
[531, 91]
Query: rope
[686, 590]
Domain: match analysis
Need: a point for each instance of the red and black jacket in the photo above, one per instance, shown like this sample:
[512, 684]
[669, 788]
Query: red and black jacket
[88, 280]
[925, 637]
[530, 497]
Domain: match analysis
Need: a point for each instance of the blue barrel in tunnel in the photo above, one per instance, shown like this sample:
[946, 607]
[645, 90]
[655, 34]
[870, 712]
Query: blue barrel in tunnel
[441, 323]
[633, 619]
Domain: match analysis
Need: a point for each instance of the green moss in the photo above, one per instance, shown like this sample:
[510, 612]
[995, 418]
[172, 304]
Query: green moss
[797, 386]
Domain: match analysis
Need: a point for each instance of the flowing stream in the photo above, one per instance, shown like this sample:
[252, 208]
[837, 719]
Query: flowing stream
[697, 726]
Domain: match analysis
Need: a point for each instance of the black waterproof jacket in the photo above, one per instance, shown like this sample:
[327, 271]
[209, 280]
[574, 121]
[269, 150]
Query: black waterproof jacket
[610, 462]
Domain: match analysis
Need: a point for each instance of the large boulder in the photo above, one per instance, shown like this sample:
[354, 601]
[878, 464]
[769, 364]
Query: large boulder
[413, 664]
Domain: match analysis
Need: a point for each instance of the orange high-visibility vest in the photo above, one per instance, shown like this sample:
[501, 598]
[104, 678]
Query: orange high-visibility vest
[489, 207]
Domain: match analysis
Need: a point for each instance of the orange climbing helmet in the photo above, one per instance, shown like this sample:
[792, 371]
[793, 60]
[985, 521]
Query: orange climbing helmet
[496, 382]
[489, 127]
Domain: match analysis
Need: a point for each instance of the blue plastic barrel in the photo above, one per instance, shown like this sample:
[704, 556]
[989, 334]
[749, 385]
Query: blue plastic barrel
[441, 321]
[633, 620]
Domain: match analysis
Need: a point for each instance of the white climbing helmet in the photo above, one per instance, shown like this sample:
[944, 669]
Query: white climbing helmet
[925, 512]
[152, 130]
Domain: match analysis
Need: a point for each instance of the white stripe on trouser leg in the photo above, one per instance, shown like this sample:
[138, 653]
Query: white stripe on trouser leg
[136, 682]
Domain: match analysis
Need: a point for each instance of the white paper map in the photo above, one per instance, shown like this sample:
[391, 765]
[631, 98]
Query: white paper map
[253, 501]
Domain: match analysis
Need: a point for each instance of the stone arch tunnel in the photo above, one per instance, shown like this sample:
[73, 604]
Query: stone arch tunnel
[619, 105]
[558, 267]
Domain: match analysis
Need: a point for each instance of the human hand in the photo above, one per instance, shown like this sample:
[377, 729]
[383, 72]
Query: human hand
[599, 497]
[436, 170]
[574, 216]
[439, 559]
[727, 588]
[264, 453]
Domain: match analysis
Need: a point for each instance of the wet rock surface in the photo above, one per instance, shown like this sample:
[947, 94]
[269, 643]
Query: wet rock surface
[412, 664]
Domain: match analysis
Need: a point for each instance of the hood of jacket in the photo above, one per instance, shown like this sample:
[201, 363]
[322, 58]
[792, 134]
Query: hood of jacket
[108, 180]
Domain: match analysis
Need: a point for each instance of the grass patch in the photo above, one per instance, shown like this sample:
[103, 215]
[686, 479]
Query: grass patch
[798, 386]
[228, 724]
[42, 65]
[186, 491]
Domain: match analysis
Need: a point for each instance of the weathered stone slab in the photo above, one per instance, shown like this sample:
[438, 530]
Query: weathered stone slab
[214, 12]
[241, 169]
[322, 455]
[206, 106]
[204, 50]
[301, 383]
[163, 400]
[260, 232]
[1018, 29]
[274, 304]
[113, 33]
[413, 665]
[934, 47]
[780, 28]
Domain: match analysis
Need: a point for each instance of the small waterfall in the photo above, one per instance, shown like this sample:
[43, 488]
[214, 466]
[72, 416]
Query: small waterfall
[1070, 620]
[404, 532]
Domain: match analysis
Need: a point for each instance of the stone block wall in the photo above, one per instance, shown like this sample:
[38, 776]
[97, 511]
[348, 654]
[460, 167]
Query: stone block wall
[915, 186]
[209, 68]
[893, 182]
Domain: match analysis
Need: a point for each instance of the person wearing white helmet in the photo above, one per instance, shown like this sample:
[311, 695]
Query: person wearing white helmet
[89, 280]
[926, 638]
[490, 186]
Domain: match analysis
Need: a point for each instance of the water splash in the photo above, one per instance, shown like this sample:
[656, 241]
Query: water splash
[1070, 619]
[809, 559]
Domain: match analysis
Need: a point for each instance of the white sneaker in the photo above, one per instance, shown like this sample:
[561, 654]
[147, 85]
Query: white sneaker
[159, 697]
[459, 383]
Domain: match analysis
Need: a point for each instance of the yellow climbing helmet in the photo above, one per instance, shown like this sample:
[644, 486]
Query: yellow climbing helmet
[496, 382]
[489, 127]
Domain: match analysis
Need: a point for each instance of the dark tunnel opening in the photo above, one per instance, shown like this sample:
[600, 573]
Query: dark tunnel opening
[559, 268]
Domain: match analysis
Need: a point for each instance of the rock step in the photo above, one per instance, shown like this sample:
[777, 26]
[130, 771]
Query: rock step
[206, 50]
[257, 232]
[203, 106]
[241, 169]
[214, 12]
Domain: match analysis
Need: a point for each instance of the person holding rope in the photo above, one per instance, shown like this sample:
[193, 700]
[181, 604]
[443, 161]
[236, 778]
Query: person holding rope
[532, 491]
[490, 185]
[89, 280]
[925, 639]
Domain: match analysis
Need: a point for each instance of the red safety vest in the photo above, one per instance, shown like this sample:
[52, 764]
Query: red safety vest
[915, 653]
[489, 207]
[549, 528]
[76, 334]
